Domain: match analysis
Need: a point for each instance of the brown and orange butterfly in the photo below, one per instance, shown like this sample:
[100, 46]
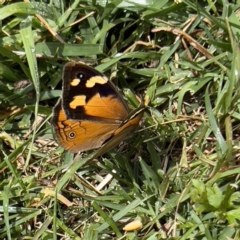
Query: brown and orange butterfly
[91, 113]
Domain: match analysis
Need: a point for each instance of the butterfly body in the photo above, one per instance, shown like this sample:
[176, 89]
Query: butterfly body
[91, 111]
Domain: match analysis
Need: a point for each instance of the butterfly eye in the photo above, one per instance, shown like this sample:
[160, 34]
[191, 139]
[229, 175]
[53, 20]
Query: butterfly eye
[72, 135]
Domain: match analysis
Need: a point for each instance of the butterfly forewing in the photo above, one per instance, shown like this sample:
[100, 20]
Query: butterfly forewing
[89, 95]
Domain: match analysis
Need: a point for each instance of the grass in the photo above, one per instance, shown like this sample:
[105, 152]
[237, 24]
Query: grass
[178, 174]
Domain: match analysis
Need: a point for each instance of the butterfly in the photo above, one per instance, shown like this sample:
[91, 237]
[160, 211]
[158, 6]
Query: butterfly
[91, 112]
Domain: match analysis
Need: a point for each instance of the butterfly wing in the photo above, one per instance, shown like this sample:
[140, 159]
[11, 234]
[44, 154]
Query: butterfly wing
[89, 95]
[91, 113]
[124, 130]
[75, 135]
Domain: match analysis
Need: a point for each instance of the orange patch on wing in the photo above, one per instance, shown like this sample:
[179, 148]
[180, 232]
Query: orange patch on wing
[93, 80]
[106, 107]
[88, 135]
[78, 101]
[75, 82]
[131, 124]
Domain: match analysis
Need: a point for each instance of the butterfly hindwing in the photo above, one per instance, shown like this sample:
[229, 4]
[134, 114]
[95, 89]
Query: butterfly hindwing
[75, 135]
